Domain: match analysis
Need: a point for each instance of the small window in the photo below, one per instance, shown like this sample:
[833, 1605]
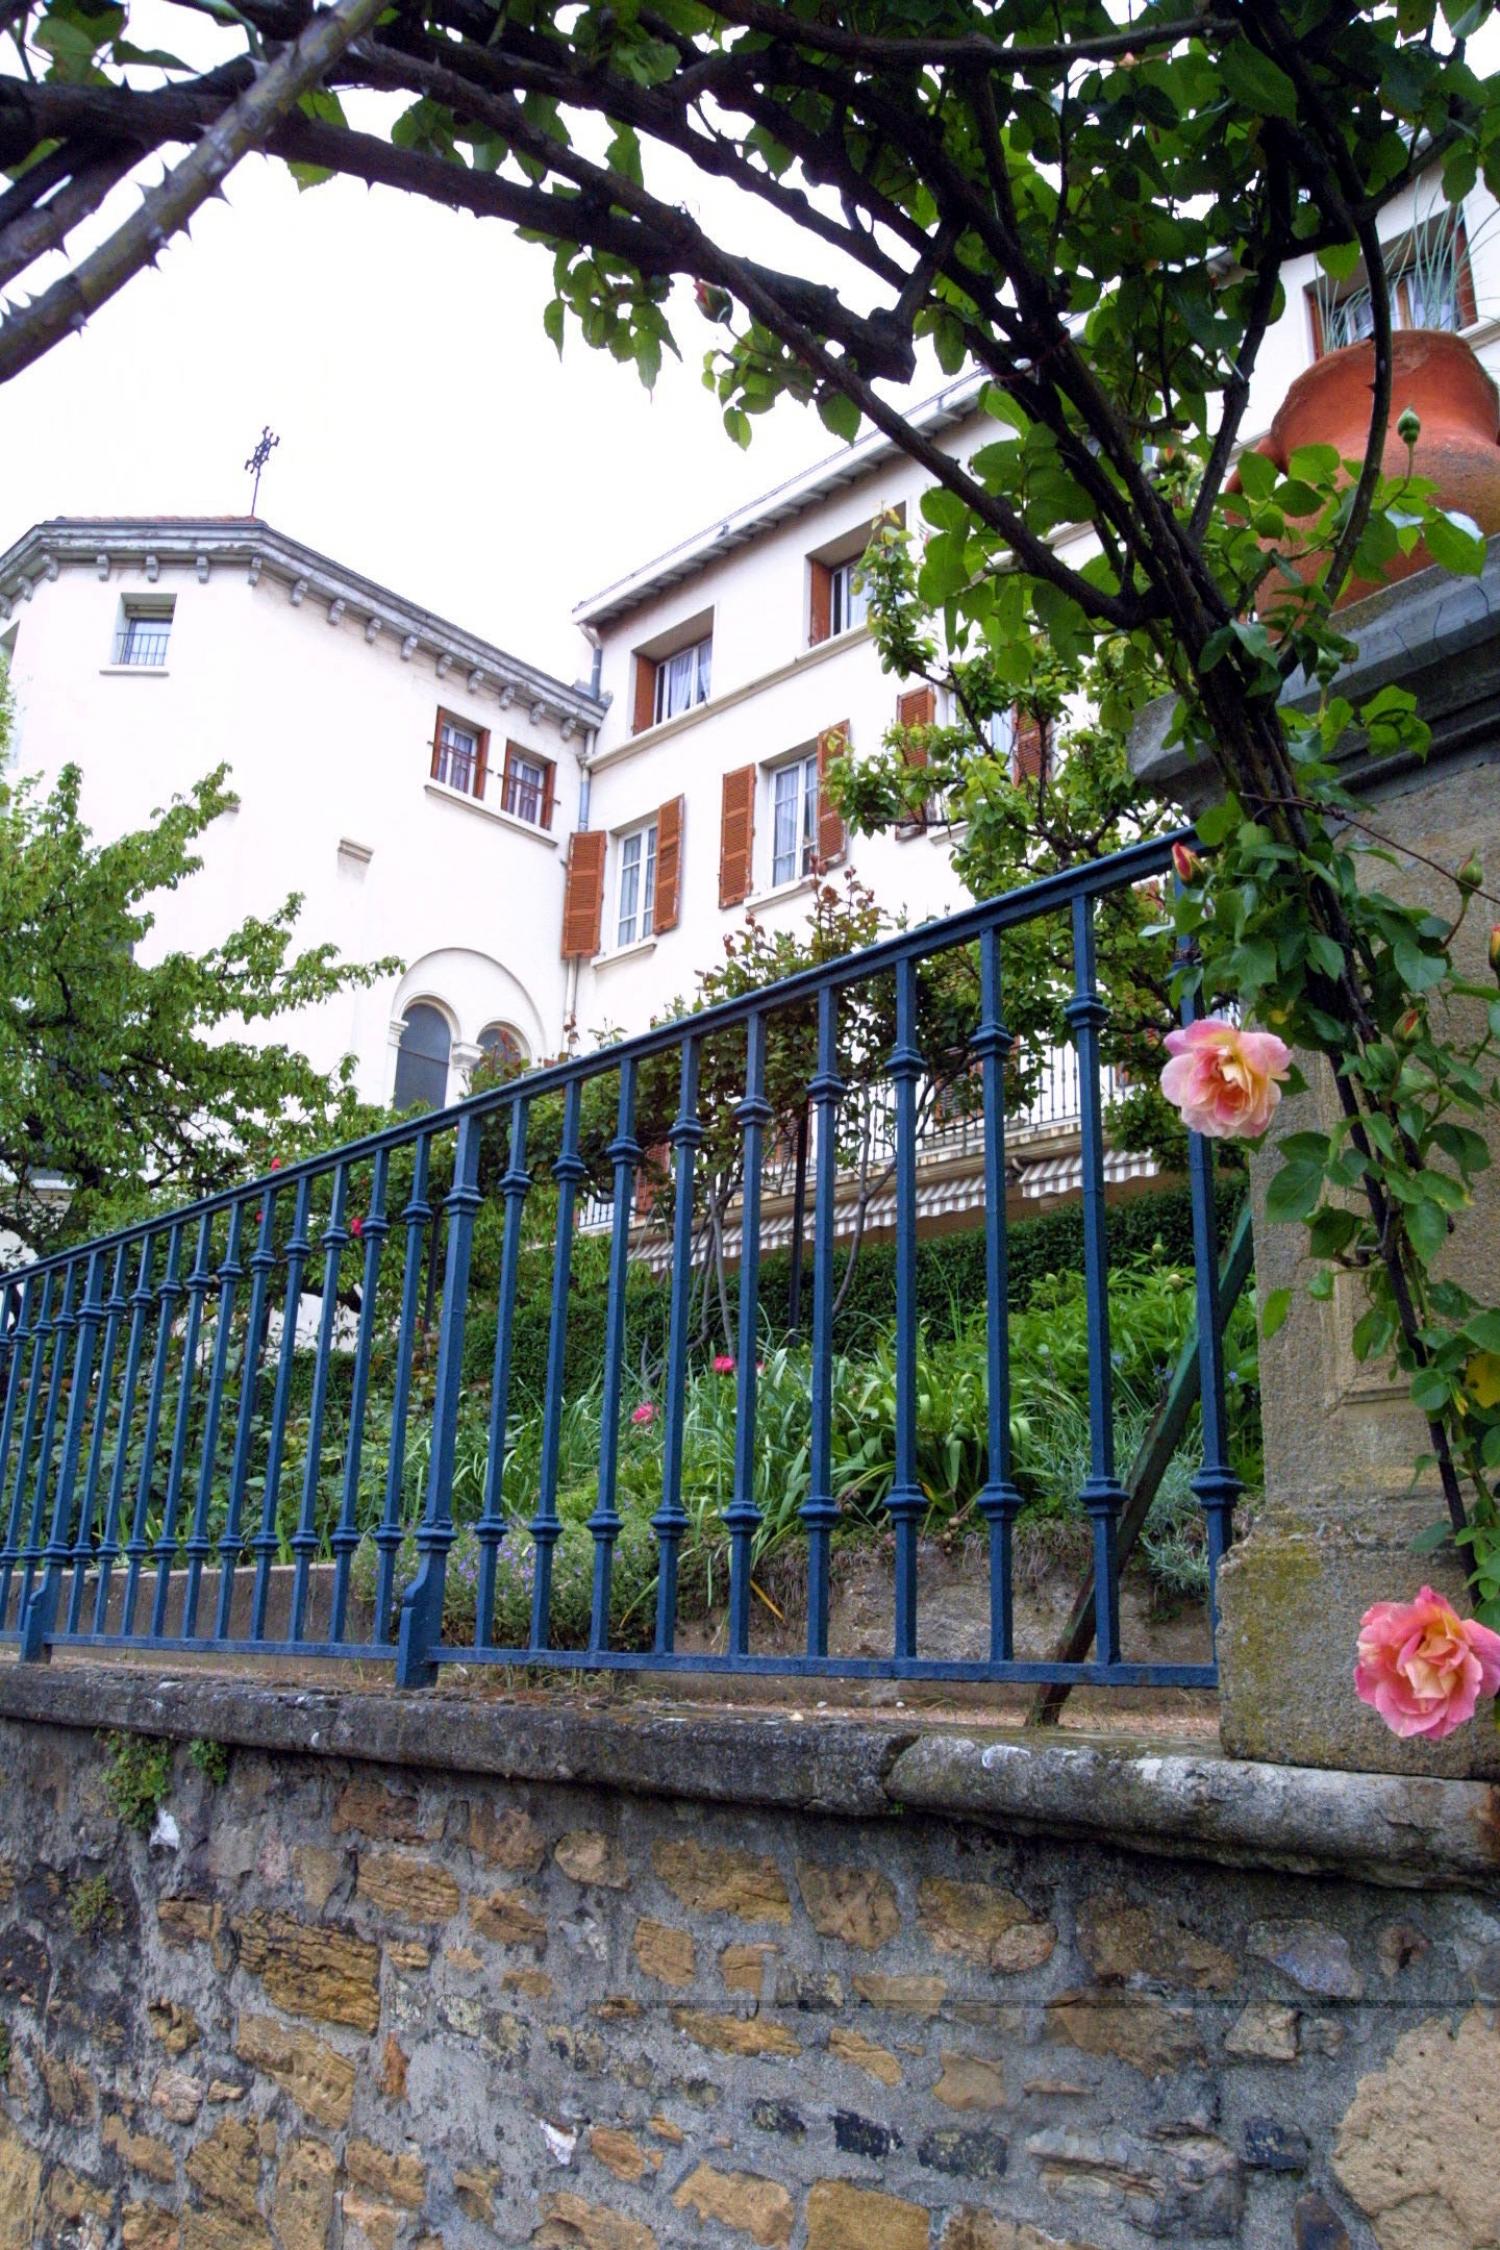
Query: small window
[848, 603]
[503, 1051]
[460, 754]
[636, 905]
[528, 786]
[422, 1059]
[794, 819]
[682, 680]
[144, 630]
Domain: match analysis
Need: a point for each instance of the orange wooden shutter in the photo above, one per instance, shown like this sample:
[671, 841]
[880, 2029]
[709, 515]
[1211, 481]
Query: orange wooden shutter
[645, 694]
[481, 759]
[1029, 755]
[917, 708]
[736, 835]
[549, 793]
[583, 894]
[437, 740]
[820, 622]
[833, 743]
[668, 904]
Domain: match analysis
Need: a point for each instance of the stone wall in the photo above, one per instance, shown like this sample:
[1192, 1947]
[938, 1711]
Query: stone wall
[333, 2001]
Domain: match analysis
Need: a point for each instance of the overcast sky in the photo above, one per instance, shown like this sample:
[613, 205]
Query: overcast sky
[429, 434]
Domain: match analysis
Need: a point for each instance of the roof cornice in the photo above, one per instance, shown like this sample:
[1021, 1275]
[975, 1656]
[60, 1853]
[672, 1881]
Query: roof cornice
[249, 543]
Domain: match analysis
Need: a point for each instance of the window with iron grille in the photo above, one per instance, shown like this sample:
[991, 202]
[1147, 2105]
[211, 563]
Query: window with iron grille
[460, 754]
[143, 635]
[528, 786]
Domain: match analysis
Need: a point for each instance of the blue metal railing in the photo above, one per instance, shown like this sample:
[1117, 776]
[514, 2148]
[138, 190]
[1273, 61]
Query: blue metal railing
[211, 1421]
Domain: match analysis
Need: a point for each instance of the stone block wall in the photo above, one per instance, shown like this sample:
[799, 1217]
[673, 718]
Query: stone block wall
[392, 2006]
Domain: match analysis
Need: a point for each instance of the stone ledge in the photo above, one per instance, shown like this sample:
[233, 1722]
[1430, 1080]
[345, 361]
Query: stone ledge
[1392, 1830]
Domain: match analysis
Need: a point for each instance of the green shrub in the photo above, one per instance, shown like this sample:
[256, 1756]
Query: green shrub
[211, 1759]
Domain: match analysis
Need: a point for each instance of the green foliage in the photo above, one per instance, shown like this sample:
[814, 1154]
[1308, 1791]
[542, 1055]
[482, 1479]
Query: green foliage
[137, 1777]
[125, 1076]
[92, 1905]
[211, 1759]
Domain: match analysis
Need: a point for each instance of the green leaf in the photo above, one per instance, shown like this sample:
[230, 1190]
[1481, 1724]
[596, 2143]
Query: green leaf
[1259, 83]
[1433, 1539]
[1314, 464]
[1484, 1330]
[1273, 1313]
[1456, 543]
[1340, 260]
[1294, 1192]
[553, 319]
[1372, 1334]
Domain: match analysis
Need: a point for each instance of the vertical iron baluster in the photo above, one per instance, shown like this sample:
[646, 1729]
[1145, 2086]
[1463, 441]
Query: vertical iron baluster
[906, 1502]
[12, 1338]
[624, 1153]
[199, 1282]
[514, 1187]
[1216, 1487]
[138, 1546]
[392, 1529]
[64, 1321]
[262, 1261]
[39, 1617]
[820, 1510]
[83, 1545]
[373, 1229]
[1103, 1495]
[22, 1378]
[999, 1502]
[569, 1172]
[421, 1629]
[266, 1544]
[742, 1517]
[198, 1547]
[670, 1520]
[305, 1539]
[140, 1303]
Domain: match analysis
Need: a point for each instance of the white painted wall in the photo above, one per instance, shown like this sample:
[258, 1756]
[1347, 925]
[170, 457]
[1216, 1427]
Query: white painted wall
[328, 740]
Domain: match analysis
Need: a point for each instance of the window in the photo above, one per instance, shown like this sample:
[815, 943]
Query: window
[683, 680]
[848, 603]
[636, 905]
[144, 631]
[794, 819]
[503, 1051]
[460, 754]
[1431, 286]
[422, 1058]
[528, 786]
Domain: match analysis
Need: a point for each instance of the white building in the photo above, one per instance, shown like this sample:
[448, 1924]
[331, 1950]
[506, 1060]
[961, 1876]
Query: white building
[545, 860]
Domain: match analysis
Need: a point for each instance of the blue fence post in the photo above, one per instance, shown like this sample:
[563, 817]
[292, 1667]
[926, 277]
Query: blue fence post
[570, 1172]
[1215, 1487]
[390, 1533]
[22, 1377]
[114, 1308]
[742, 1517]
[305, 1540]
[373, 1229]
[624, 1153]
[671, 1518]
[820, 1511]
[139, 1303]
[515, 1186]
[421, 1628]
[1103, 1495]
[41, 1611]
[906, 1503]
[1000, 1501]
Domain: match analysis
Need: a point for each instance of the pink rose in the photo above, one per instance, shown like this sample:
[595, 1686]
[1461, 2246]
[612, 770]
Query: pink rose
[1224, 1079]
[723, 1363]
[1422, 1666]
[645, 1412]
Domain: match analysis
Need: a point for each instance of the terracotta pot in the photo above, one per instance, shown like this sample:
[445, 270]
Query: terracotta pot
[1436, 374]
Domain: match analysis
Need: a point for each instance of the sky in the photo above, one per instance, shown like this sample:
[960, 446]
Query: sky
[430, 436]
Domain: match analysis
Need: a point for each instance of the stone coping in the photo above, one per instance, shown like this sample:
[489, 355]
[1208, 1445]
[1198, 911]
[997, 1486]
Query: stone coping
[1392, 1830]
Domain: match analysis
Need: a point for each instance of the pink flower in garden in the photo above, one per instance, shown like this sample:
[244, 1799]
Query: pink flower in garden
[645, 1412]
[1422, 1666]
[356, 1227]
[723, 1363]
[1224, 1079]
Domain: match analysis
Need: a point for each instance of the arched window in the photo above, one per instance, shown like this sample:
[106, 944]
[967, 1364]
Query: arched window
[422, 1059]
[503, 1049]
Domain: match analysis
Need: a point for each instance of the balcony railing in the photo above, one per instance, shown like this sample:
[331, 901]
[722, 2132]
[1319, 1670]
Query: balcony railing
[143, 644]
[212, 1421]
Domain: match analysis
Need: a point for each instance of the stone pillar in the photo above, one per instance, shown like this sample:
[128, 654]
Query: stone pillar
[1333, 1532]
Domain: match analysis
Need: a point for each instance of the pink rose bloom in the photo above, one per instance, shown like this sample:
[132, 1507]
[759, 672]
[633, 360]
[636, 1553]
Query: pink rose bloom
[1224, 1079]
[645, 1412]
[1422, 1666]
[723, 1363]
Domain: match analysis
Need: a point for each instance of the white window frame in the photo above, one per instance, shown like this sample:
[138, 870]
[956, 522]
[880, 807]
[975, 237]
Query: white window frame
[848, 603]
[796, 861]
[520, 765]
[683, 679]
[636, 855]
[152, 617]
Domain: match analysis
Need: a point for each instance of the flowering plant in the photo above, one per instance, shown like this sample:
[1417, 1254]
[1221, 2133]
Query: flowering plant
[1225, 1081]
[1423, 1667]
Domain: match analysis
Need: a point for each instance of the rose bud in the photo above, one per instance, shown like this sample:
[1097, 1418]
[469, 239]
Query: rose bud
[1188, 865]
[1471, 874]
[1495, 948]
[1408, 1027]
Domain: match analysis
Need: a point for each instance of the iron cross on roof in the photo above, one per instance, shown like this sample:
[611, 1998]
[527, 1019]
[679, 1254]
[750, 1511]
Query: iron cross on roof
[257, 462]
